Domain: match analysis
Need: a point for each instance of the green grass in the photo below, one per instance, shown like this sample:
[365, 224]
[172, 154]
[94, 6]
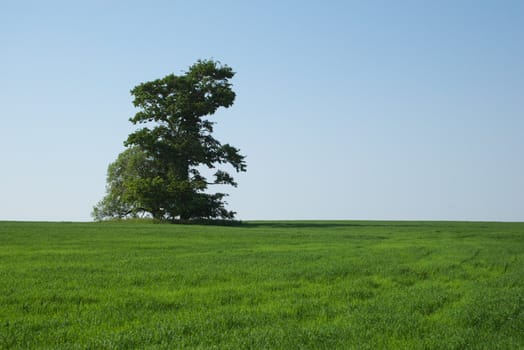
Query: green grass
[272, 285]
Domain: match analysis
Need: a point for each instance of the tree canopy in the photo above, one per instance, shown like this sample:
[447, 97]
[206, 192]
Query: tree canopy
[159, 173]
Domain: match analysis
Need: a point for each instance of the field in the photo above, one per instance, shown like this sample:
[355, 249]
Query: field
[262, 285]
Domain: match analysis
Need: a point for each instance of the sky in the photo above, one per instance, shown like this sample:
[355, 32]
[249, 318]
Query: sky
[383, 110]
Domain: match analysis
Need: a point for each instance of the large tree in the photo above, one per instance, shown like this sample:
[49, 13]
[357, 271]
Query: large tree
[159, 172]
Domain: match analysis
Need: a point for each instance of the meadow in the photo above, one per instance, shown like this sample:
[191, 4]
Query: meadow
[262, 285]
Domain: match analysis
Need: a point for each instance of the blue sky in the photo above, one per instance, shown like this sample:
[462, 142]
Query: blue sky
[345, 109]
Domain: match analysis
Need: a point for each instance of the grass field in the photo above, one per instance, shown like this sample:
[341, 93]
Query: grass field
[274, 285]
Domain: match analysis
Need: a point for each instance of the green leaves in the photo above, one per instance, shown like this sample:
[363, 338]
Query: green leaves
[221, 177]
[157, 173]
[199, 92]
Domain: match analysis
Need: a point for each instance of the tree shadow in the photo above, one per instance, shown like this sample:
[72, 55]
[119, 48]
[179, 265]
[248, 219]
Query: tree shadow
[313, 224]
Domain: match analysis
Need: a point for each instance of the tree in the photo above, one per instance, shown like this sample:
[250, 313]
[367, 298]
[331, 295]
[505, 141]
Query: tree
[159, 172]
[123, 176]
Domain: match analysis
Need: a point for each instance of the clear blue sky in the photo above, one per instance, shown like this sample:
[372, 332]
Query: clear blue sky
[345, 109]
